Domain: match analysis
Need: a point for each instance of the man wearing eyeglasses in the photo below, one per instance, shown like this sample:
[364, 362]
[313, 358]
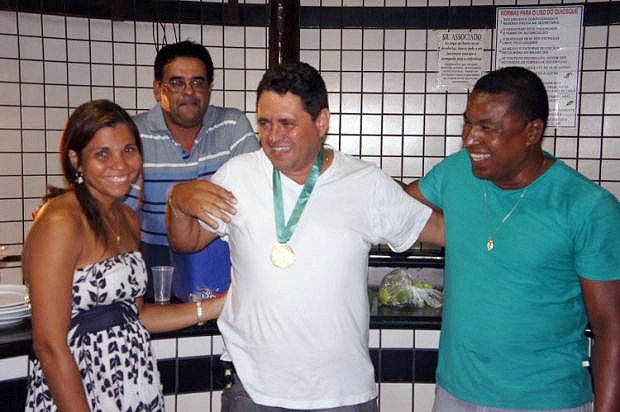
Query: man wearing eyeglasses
[184, 138]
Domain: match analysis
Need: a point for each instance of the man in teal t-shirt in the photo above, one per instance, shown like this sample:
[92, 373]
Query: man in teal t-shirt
[532, 255]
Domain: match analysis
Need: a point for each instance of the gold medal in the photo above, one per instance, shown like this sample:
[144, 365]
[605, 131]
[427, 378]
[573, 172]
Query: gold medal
[282, 255]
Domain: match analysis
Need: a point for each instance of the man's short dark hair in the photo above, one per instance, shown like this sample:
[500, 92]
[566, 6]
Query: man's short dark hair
[184, 48]
[300, 79]
[529, 97]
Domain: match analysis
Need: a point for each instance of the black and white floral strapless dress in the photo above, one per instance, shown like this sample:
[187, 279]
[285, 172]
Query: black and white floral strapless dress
[109, 343]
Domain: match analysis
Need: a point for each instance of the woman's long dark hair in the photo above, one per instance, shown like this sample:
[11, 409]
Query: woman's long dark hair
[80, 129]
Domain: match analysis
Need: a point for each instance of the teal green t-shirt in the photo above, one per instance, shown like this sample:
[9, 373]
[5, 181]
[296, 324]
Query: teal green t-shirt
[513, 317]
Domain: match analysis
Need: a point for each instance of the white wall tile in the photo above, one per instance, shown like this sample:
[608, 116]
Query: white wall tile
[194, 402]
[164, 348]
[123, 31]
[370, 145]
[592, 103]
[592, 81]
[218, 344]
[124, 53]
[190, 32]
[56, 95]
[453, 144]
[10, 140]
[234, 36]
[412, 166]
[125, 97]
[392, 125]
[212, 36]
[10, 186]
[589, 168]
[396, 397]
[34, 186]
[590, 125]
[13, 368]
[392, 145]
[309, 56]
[566, 147]
[330, 39]
[393, 82]
[195, 346]
[100, 29]
[234, 79]
[101, 74]
[78, 95]
[78, 51]
[352, 39]
[434, 146]
[10, 232]
[29, 24]
[391, 165]
[434, 124]
[593, 59]
[9, 118]
[372, 39]
[256, 37]
[55, 72]
[55, 49]
[55, 118]
[395, 39]
[30, 48]
[77, 28]
[610, 169]
[145, 54]
[595, 36]
[350, 124]
[10, 209]
[611, 148]
[423, 397]
[9, 94]
[393, 103]
[33, 163]
[9, 47]
[396, 338]
[412, 146]
[8, 22]
[256, 59]
[614, 36]
[9, 70]
[589, 147]
[611, 125]
[309, 39]
[330, 60]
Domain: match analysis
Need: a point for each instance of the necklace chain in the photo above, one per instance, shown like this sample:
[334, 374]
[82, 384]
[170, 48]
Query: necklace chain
[490, 239]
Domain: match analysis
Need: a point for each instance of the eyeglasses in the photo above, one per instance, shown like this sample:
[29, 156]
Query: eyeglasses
[178, 85]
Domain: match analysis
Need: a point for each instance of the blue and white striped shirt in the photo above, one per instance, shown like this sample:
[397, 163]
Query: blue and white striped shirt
[225, 133]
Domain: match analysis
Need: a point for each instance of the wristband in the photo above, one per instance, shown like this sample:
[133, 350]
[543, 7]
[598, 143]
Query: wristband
[199, 313]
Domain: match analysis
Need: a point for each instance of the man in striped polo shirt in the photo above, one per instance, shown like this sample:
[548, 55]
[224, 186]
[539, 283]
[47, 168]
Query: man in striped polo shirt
[184, 138]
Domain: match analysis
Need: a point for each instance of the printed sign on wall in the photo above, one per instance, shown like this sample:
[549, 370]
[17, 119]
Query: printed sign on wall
[546, 40]
[461, 59]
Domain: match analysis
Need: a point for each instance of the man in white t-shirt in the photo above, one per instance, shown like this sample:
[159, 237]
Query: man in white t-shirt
[300, 225]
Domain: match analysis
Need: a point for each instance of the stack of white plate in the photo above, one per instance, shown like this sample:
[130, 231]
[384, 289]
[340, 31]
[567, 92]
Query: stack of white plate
[14, 305]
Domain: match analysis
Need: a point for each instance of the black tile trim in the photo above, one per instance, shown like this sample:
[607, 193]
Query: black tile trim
[13, 395]
[206, 373]
[188, 12]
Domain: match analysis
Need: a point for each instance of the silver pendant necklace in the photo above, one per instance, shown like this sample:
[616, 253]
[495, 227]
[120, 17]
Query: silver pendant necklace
[491, 238]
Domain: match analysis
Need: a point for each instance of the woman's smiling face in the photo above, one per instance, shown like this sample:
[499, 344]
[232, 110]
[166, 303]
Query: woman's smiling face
[110, 163]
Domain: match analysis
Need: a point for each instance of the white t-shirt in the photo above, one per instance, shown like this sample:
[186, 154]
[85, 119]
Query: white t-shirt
[298, 336]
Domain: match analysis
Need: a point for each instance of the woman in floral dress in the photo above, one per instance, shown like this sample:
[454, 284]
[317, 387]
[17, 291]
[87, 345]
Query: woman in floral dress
[87, 278]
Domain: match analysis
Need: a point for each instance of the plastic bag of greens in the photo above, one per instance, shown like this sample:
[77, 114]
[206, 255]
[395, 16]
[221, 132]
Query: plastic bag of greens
[398, 288]
[395, 289]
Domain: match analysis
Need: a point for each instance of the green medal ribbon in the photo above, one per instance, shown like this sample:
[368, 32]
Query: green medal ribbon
[285, 232]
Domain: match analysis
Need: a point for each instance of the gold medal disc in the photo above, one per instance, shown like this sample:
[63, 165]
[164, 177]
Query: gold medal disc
[282, 255]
